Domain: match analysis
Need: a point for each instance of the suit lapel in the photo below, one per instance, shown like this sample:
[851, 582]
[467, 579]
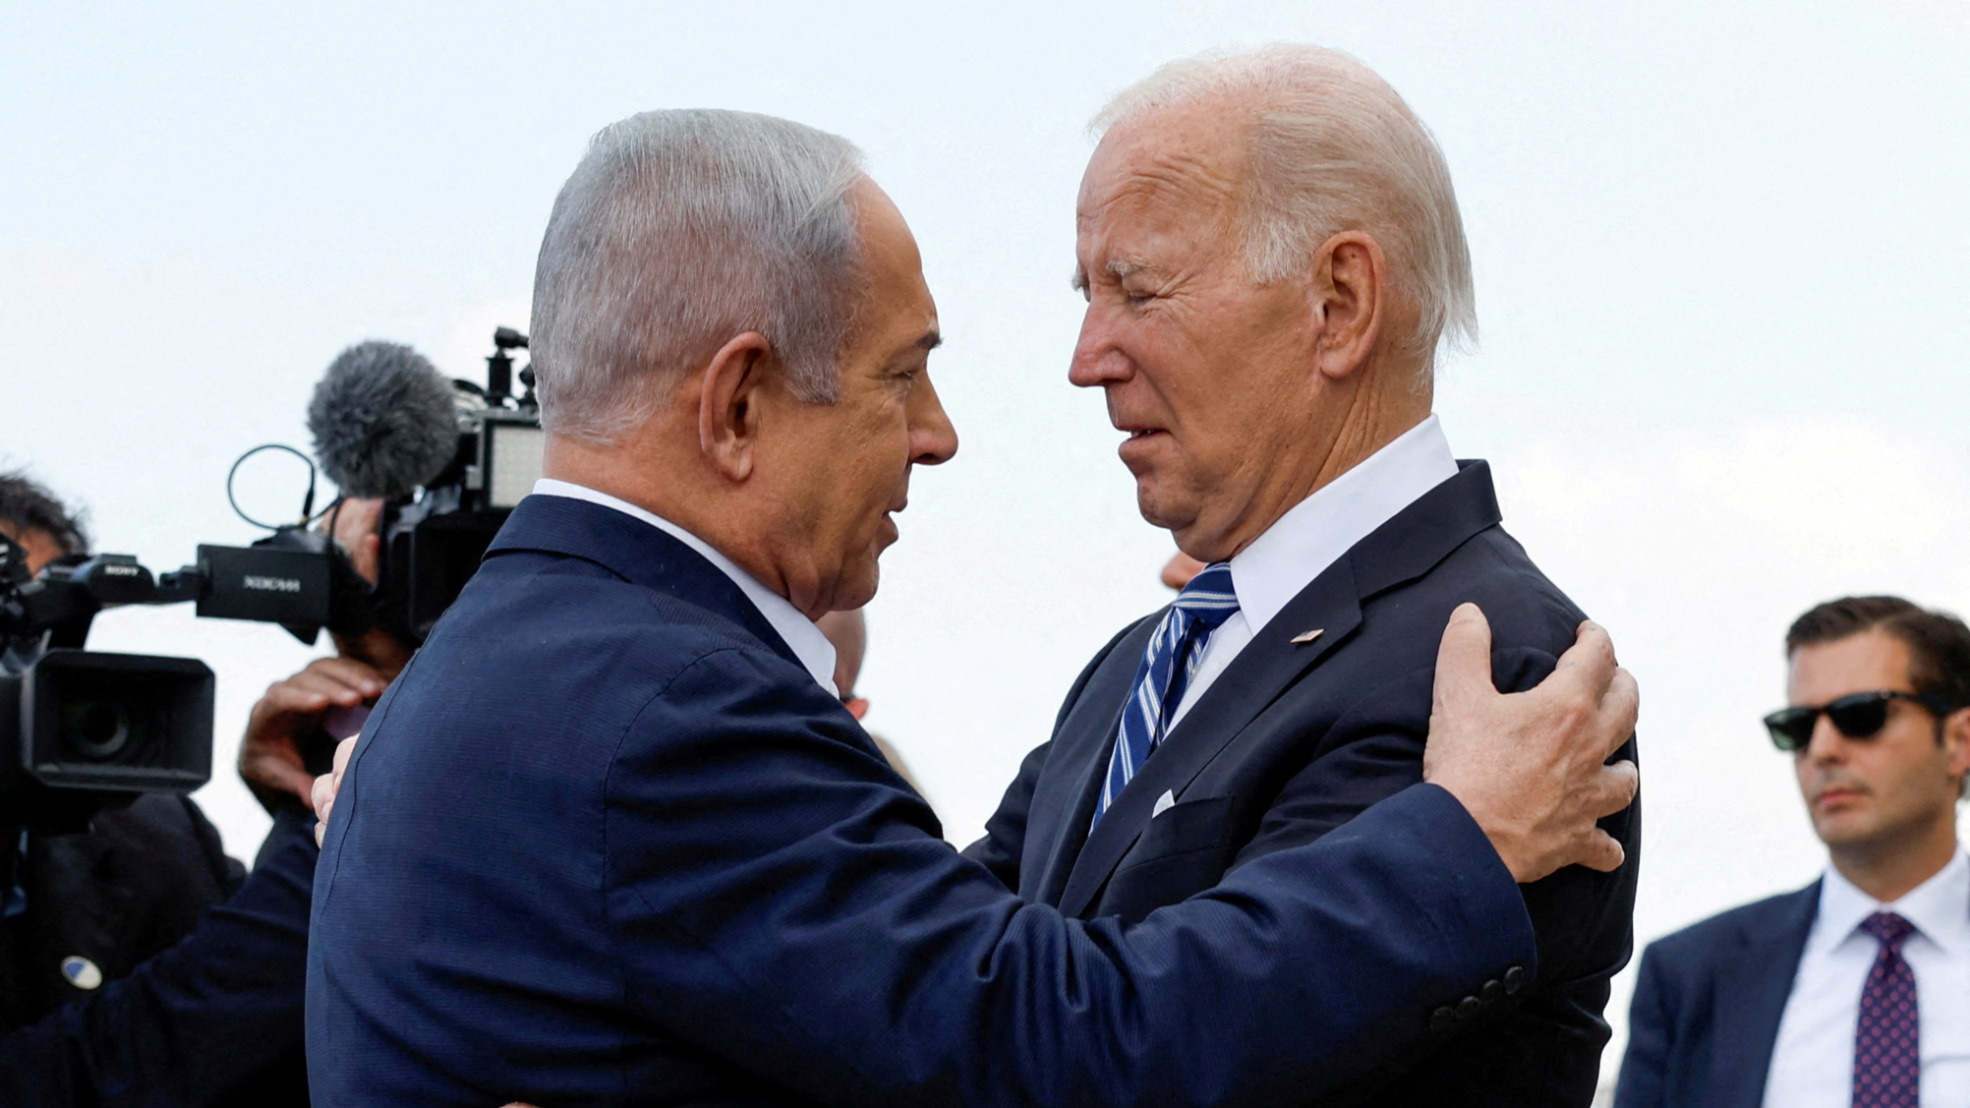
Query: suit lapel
[1063, 803]
[1268, 665]
[1752, 987]
[1406, 547]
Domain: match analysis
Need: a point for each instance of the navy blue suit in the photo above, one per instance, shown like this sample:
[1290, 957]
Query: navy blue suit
[1293, 741]
[605, 842]
[1707, 1006]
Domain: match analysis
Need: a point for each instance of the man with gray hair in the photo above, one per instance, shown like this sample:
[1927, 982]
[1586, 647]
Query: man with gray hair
[1271, 252]
[612, 838]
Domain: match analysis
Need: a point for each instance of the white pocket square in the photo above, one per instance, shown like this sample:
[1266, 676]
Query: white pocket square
[1163, 804]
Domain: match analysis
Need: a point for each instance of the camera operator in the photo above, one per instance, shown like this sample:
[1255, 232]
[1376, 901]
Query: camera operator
[81, 909]
[217, 1019]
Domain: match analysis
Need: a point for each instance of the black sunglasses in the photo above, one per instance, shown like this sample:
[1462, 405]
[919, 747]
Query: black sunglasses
[1859, 715]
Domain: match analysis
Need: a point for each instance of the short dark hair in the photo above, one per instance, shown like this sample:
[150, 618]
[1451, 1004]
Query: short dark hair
[28, 506]
[1938, 642]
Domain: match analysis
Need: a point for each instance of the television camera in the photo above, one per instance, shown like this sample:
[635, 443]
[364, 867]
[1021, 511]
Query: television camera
[81, 730]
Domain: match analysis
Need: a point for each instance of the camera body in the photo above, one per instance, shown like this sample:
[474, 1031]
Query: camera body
[432, 541]
[432, 544]
[79, 730]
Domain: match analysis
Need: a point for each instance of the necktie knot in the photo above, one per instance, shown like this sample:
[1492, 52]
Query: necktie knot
[1209, 598]
[1889, 929]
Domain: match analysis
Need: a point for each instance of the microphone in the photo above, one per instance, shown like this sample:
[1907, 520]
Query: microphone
[384, 421]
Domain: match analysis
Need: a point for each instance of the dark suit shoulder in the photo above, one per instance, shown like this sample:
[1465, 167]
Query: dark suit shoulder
[1524, 606]
[1759, 919]
[542, 604]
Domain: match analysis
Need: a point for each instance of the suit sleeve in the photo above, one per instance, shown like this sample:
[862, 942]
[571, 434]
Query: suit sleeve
[1644, 1068]
[1005, 833]
[776, 902]
[214, 1015]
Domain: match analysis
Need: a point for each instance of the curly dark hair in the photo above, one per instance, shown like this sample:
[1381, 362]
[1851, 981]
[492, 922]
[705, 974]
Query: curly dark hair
[29, 506]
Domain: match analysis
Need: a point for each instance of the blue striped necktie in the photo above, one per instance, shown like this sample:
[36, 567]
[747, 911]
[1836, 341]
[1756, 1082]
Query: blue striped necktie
[1167, 667]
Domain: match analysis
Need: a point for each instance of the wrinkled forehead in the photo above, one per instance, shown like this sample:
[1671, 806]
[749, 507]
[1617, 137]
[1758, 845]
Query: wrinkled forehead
[1188, 164]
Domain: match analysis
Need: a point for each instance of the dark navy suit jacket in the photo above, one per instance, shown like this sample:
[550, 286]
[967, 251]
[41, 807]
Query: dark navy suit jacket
[1293, 741]
[1707, 1006]
[605, 842]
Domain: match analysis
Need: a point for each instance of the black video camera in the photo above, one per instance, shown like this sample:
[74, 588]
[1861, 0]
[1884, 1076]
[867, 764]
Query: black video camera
[80, 730]
[432, 538]
[432, 543]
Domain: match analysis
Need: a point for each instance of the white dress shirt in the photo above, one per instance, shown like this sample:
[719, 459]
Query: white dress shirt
[813, 649]
[1313, 535]
[1813, 1058]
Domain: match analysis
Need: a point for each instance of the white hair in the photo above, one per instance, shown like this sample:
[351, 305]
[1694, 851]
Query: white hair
[1333, 148]
[679, 230]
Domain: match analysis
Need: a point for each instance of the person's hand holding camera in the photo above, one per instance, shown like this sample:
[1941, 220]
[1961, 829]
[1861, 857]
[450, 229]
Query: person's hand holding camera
[291, 715]
[296, 712]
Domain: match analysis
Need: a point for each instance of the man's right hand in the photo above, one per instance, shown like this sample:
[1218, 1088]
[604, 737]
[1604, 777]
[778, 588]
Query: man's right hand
[1531, 767]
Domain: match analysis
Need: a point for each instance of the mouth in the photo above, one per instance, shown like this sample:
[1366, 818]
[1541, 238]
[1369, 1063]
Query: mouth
[1837, 796]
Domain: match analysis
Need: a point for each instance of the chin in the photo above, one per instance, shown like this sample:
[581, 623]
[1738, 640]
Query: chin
[1156, 509]
[1844, 828]
[858, 586]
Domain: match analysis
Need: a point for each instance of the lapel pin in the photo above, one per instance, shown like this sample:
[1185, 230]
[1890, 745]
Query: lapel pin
[1305, 637]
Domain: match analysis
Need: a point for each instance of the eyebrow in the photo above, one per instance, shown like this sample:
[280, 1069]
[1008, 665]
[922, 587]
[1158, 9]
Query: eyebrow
[1120, 268]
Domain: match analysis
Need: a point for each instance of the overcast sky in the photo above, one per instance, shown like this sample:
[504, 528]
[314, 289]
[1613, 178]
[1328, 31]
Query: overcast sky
[1720, 269]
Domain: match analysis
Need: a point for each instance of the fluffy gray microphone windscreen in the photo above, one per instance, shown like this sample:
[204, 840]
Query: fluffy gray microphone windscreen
[383, 420]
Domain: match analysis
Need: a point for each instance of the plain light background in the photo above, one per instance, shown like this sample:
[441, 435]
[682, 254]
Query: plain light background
[1720, 267]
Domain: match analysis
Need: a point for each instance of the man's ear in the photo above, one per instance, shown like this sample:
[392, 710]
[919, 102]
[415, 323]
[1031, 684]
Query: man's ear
[1956, 740]
[1347, 297]
[728, 403]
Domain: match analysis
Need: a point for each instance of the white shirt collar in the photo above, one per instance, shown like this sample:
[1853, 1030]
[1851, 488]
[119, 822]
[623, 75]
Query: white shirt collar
[1939, 907]
[808, 644]
[1314, 534]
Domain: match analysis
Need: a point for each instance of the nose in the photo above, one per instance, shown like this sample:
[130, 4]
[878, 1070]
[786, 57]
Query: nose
[1827, 745]
[933, 440]
[1097, 361]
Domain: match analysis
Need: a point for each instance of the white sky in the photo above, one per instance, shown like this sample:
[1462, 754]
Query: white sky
[1720, 259]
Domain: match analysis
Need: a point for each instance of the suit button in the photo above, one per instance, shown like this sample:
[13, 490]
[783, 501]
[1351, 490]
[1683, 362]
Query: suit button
[1441, 1019]
[1468, 1007]
[1514, 979]
[1492, 991]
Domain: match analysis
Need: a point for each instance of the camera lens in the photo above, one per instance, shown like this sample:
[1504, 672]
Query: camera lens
[94, 730]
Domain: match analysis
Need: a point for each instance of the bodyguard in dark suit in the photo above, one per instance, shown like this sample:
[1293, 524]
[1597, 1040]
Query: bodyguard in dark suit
[1279, 424]
[613, 839]
[1707, 1006]
[1853, 992]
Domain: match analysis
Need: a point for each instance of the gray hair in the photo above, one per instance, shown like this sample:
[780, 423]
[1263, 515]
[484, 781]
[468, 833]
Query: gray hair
[1333, 148]
[679, 230]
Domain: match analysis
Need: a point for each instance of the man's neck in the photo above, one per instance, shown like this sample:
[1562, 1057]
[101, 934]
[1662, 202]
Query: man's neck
[625, 471]
[1374, 420]
[1889, 871]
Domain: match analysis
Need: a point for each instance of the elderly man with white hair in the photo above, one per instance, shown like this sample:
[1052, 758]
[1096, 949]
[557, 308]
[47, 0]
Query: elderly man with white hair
[613, 839]
[1272, 254]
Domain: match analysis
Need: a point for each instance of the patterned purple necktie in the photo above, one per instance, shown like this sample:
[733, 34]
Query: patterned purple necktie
[1887, 1055]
